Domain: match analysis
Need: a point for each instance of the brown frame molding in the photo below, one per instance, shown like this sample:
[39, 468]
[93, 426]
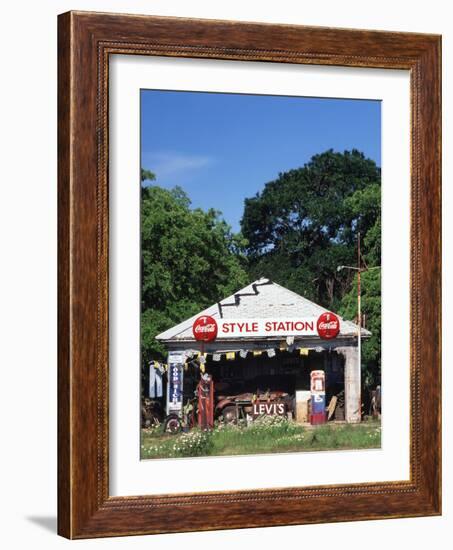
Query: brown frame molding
[85, 42]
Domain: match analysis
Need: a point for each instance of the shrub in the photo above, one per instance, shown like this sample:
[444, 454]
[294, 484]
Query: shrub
[273, 425]
[195, 443]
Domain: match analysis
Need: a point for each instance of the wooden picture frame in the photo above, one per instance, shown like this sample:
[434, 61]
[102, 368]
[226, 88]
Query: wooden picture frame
[85, 41]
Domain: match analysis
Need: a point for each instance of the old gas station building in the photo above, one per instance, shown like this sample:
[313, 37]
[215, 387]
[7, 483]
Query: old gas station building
[267, 337]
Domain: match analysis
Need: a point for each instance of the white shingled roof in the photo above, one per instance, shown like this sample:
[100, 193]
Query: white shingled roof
[262, 299]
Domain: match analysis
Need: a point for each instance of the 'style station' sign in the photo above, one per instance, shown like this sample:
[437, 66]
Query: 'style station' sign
[206, 329]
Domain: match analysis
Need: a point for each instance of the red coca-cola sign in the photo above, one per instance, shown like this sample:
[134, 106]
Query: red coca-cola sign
[328, 325]
[204, 328]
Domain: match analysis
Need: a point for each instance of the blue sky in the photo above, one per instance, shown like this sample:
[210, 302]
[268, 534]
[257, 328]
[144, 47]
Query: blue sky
[223, 148]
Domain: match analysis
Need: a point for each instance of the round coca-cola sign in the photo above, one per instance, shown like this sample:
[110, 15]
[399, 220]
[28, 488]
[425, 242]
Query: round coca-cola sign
[328, 325]
[204, 328]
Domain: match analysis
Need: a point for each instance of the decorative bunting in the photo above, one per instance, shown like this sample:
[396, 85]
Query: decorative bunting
[304, 351]
[202, 359]
[290, 340]
[243, 353]
[216, 357]
[202, 367]
[230, 355]
[271, 352]
[257, 353]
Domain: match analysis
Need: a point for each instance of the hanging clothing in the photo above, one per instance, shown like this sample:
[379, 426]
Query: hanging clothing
[156, 372]
[152, 380]
[159, 374]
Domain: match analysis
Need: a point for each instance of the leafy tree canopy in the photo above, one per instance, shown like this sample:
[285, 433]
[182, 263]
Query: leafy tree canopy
[305, 223]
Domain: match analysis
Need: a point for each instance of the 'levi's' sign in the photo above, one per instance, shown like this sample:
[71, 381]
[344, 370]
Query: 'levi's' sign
[268, 408]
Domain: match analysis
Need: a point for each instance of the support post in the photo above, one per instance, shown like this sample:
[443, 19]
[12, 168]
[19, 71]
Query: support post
[352, 384]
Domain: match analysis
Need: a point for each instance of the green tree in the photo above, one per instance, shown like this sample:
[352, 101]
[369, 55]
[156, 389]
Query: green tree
[190, 260]
[304, 224]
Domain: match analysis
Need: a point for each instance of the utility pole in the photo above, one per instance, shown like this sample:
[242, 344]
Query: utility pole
[359, 269]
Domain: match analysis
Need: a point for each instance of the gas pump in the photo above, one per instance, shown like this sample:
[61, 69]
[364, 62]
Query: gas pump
[318, 397]
[205, 393]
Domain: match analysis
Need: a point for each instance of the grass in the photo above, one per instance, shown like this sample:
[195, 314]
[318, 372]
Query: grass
[267, 435]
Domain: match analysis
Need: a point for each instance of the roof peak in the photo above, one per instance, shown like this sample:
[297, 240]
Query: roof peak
[261, 299]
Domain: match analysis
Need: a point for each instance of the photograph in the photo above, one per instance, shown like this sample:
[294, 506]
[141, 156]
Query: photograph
[260, 274]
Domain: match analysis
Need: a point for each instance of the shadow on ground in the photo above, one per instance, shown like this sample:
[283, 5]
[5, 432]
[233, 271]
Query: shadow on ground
[49, 523]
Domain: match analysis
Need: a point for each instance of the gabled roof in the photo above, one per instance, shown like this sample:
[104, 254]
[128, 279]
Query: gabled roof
[262, 299]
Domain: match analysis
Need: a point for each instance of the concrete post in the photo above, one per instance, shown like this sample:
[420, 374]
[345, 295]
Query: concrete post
[352, 384]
